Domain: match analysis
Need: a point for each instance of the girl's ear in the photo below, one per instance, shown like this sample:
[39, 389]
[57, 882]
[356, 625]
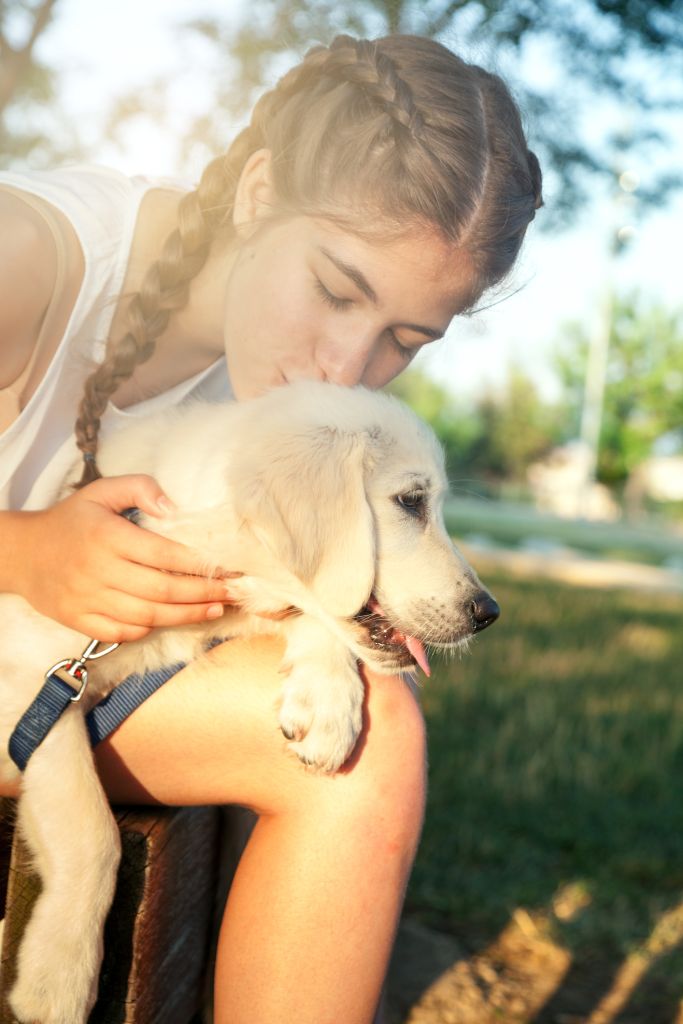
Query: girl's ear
[255, 195]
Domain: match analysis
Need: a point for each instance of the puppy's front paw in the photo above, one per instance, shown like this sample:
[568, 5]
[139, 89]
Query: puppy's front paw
[322, 716]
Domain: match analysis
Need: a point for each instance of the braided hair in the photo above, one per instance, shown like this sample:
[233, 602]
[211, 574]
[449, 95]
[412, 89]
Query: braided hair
[371, 134]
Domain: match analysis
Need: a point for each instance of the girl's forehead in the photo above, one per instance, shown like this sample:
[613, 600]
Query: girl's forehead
[419, 259]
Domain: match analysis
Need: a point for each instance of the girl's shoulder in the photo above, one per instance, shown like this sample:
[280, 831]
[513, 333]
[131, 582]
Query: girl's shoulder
[41, 271]
[28, 267]
[99, 203]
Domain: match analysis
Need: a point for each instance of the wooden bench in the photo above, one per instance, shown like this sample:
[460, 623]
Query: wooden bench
[158, 936]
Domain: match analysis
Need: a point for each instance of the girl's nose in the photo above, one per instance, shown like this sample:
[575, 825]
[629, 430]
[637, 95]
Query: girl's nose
[345, 360]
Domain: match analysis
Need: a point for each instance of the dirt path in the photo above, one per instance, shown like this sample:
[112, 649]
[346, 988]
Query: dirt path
[583, 572]
[434, 981]
[523, 978]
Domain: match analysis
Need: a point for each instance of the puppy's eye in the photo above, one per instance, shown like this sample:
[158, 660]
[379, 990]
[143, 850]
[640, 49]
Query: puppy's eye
[412, 501]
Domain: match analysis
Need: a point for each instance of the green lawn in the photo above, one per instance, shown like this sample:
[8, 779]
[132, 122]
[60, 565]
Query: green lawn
[556, 766]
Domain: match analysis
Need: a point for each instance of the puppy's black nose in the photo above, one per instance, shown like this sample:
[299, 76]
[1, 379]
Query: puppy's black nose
[484, 610]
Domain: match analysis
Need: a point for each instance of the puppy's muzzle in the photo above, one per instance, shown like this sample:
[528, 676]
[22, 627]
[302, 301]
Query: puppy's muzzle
[484, 611]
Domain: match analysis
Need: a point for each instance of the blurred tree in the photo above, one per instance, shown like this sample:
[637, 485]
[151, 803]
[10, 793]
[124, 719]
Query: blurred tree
[30, 124]
[643, 398]
[517, 427]
[563, 58]
[457, 425]
[600, 81]
[493, 440]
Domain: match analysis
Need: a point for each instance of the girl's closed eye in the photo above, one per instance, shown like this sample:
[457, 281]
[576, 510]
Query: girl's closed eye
[330, 299]
[340, 304]
[403, 350]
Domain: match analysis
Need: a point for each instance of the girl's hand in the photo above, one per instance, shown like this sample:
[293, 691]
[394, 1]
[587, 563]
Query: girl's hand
[89, 568]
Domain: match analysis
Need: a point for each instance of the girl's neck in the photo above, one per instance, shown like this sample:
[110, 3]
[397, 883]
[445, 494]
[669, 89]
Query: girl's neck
[193, 339]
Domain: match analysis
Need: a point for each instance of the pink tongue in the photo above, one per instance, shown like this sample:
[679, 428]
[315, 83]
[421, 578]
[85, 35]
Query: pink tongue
[413, 645]
[418, 652]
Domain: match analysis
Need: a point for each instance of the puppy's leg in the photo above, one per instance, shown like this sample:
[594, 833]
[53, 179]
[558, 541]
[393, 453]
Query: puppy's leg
[66, 822]
[322, 700]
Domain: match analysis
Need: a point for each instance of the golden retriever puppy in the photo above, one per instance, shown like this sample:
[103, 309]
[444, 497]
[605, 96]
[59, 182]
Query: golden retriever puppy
[328, 501]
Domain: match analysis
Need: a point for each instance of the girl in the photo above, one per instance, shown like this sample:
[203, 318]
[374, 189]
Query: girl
[380, 188]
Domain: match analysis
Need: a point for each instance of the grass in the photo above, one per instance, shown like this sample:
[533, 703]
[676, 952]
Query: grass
[556, 770]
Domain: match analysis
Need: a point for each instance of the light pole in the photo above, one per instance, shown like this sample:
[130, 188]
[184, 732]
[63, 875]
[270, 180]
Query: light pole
[621, 233]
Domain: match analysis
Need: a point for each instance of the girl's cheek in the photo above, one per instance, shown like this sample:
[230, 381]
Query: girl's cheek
[382, 370]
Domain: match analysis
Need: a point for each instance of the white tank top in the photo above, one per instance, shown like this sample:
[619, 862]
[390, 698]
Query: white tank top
[102, 206]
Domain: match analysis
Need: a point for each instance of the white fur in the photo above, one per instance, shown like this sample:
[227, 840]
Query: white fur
[296, 490]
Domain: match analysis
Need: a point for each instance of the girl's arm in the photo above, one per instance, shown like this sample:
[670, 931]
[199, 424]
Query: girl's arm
[28, 268]
[81, 563]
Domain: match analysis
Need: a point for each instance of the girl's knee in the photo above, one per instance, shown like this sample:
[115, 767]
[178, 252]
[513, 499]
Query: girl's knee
[394, 745]
[380, 792]
[395, 720]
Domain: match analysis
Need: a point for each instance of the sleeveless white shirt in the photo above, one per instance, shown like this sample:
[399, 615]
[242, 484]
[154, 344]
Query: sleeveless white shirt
[102, 205]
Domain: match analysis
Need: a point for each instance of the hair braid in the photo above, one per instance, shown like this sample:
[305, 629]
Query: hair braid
[202, 214]
[362, 63]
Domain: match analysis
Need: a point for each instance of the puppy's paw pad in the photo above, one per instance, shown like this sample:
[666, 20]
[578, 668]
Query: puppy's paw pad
[291, 734]
[330, 740]
[312, 755]
[296, 712]
[326, 725]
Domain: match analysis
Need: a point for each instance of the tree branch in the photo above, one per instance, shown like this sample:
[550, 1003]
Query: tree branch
[439, 24]
[16, 61]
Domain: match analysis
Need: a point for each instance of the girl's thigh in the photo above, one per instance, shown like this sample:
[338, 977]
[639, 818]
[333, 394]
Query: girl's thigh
[210, 736]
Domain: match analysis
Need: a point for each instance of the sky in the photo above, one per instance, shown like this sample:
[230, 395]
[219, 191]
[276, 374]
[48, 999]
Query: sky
[562, 276]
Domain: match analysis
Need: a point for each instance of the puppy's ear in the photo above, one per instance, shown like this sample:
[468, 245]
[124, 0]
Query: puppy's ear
[304, 499]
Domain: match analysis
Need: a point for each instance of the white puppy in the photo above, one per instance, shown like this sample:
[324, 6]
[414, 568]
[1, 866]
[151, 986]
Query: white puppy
[328, 501]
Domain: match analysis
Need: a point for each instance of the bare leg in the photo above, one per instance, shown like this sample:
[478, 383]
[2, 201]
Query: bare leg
[313, 908]
[317, 895]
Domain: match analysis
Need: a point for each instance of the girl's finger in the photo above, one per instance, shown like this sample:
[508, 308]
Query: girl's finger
[164, 587]
[108, 630]
[149, 549]
[129, 610]
[132, 491]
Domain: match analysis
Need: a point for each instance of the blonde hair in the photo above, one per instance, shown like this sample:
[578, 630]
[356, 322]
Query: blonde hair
[379, 132]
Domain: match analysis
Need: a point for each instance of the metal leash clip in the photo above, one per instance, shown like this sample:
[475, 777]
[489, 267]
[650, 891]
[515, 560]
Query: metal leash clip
[75, 667]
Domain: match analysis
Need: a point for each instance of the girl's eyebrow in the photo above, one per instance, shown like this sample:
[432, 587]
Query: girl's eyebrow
[361, 282]
[353, 273]
[429, 332]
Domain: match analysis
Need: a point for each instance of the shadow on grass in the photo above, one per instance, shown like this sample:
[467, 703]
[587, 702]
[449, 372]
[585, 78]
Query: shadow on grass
[556, 761]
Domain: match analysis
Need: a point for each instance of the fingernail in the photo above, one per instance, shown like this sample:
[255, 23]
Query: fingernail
[165, 504]
[214, 611]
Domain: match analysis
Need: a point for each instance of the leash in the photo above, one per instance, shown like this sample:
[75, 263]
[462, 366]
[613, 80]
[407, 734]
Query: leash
[56, 694]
